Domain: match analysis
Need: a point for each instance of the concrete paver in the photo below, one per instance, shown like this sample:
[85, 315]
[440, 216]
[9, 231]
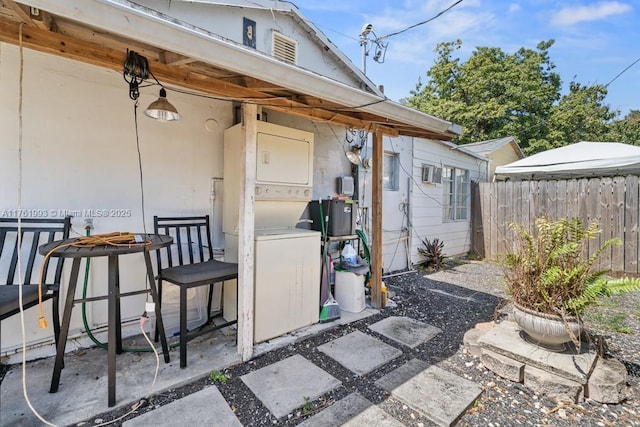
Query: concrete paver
[402, 374]
[405, 330]
[359, 352]
[353, 410]
[204, 408]
[505, 339]
[283, 386]
[608, 381]
[437, 394]
[553, 386]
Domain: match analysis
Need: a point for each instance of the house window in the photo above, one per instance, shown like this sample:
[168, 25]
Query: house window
[390, 172]
[455, 184]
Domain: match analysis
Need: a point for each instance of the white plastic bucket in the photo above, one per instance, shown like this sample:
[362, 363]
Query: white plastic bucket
[349, 291]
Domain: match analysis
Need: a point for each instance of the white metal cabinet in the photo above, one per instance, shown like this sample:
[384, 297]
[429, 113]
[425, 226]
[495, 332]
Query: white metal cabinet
[287, 280]
[287, 288]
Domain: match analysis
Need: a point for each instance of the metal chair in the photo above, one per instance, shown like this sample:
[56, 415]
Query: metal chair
[189, 263]
[34, 232]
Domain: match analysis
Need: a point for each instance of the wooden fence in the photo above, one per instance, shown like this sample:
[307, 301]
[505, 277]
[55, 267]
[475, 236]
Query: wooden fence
[612, 202]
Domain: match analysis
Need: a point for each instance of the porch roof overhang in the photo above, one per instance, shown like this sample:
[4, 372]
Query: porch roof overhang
[99, 32]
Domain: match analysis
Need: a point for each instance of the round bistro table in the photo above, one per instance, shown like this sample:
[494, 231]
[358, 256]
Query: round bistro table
[64, 249]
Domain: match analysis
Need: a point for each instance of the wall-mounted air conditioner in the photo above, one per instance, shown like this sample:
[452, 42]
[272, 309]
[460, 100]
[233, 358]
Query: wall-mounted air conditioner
[431, 174]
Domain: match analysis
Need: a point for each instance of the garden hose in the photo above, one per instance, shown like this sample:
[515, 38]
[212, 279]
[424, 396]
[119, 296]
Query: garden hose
[367, 253]
[113, 238]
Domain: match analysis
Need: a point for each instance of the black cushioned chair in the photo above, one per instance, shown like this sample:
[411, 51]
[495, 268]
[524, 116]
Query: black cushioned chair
[34, 232]
[189, 263]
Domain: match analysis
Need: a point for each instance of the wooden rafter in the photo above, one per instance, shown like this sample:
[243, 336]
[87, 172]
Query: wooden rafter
[32, 16]
[75, 41]
[171, 58]
[99, 55]
[21, 11]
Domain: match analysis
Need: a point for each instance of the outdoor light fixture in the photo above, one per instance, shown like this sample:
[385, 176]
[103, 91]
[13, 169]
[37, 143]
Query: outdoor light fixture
[354, 155]
[162, 110]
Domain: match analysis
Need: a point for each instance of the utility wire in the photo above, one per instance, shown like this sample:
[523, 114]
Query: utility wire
[622, 72]
[421, 23]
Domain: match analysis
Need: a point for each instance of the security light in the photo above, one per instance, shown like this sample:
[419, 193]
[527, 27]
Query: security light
[366, 29]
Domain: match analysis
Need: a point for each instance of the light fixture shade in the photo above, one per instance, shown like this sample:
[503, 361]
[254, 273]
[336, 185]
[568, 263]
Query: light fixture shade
[354, 155]
[162, 110]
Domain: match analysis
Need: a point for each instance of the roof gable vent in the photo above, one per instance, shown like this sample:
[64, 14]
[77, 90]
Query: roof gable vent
[284, 48]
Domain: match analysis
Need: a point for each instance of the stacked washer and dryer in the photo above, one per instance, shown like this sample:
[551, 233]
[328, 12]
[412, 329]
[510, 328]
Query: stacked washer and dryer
[287, 259]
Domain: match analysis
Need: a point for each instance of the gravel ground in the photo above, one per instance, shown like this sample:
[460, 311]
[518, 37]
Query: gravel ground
[454, 300]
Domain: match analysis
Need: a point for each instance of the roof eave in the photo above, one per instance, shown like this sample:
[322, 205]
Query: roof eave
[133, 20]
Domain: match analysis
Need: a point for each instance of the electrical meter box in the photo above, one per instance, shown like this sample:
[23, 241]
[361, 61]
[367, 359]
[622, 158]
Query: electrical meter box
[341, 215]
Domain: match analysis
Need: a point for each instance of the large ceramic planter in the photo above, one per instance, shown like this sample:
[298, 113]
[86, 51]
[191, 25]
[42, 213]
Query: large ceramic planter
[546, 330]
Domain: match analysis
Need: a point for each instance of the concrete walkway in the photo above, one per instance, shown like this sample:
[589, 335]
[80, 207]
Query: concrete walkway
[283, 387]
[287, 385]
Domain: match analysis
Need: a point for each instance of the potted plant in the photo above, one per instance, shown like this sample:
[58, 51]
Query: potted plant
[433, 253]
[551, 280]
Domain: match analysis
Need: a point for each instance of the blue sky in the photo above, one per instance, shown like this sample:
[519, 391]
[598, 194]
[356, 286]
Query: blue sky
[595, 40]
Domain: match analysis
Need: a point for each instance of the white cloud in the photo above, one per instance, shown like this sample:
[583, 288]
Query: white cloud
[595, 12]
[514, 7]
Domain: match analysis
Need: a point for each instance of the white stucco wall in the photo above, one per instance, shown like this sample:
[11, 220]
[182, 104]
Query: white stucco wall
[79, 152]
[426, 199]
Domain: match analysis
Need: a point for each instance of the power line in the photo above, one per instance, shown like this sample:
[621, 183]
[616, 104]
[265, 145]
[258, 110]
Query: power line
[622, 72]
[423, 22]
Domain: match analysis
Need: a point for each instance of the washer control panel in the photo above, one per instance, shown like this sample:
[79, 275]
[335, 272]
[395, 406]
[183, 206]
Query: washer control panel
[282, 192]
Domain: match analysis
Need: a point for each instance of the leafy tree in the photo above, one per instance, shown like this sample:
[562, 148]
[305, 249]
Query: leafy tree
[581, 115]
[494, 94]
[626, 130]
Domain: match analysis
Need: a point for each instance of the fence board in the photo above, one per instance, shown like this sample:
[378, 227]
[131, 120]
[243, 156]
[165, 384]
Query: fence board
[534, 207]
[503, 213]
[611, 202]
[485, 200]
[631, 244]
[571, 199]
[493, 218]
[581, 203]
[594, 209]
[551, 199]
[561, 199]
[477, 239]
[606, 215]
[617, 222]
[516, 194]
[534, 201]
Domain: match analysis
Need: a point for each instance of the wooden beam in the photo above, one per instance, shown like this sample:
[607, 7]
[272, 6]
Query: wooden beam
[376, 233]
[32, 15]
[20, 10]
[252, 83]
[246, 231]
[43, 20]
[99, 55]
[106, 56]
[172, 58]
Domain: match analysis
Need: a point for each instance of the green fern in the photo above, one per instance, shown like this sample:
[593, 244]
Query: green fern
[548, 270]
[602, 288]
